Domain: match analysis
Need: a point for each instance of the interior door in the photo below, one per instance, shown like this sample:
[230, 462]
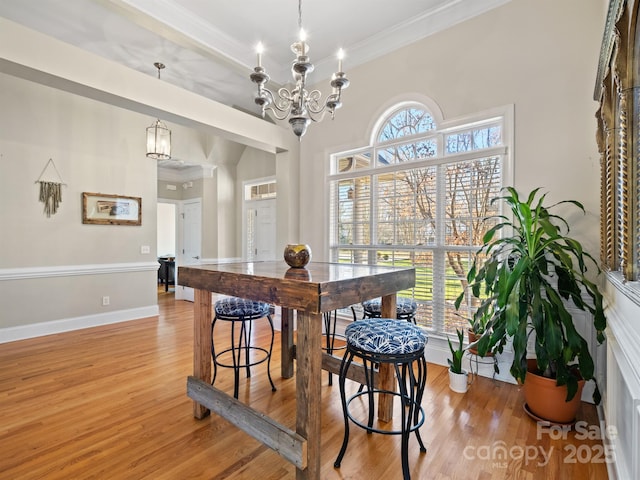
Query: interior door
[191, 241]
[261, 230]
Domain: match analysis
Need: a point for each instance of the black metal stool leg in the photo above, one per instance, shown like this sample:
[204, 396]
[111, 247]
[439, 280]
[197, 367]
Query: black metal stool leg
[213, 353]
[236, 354]
[273, 387]
[329, 333]
[420, 382]
[407, 417]
[247, 340]
[369, 369]
[344, 366]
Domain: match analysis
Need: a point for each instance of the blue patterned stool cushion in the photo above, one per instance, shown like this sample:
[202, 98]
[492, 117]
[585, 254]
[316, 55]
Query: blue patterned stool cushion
[241, 307]
[385, 336]
[404, 306]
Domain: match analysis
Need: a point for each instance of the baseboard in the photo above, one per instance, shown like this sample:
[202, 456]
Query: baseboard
[607, 442]
[23, 332]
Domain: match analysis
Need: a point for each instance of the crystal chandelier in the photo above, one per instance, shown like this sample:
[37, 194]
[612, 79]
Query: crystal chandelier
[299, 104]
[158, 135]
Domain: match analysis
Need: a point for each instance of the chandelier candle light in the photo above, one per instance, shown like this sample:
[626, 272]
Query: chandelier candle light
[299, 104]
[158, 134]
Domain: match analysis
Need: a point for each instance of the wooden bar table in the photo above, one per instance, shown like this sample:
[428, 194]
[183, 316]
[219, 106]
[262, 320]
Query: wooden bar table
[318, 288]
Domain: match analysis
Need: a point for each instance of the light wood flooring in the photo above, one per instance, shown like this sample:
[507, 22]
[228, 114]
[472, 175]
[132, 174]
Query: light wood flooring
[110, 403]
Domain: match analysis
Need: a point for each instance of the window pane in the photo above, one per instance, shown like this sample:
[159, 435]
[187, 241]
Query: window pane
[455, 281]
[406, 203]
[362, 160]
[423, 291]
[261, 191]
[353, 255]
[470, 303]
[354, 206]
[353, 162]
[345, 164]
[473, 139]
[406, 122]
[470, 186]
[408, 152]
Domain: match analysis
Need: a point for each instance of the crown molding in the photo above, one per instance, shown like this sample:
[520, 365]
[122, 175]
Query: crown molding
[185, 174]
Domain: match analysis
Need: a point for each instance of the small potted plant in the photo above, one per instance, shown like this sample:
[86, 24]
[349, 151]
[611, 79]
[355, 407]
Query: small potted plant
[458, 377]
[477, 329]
[525, 280]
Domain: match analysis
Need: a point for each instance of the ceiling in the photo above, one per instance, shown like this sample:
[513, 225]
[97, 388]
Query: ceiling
[208, 46]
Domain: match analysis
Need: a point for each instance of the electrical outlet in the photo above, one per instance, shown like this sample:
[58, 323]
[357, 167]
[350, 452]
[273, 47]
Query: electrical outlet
[145, 249]
[105, 301]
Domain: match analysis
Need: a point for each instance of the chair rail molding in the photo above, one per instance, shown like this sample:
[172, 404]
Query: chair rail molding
[74, 270]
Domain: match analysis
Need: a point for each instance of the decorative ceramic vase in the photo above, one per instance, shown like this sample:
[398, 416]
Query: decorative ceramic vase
[297, 255]
[459, 382]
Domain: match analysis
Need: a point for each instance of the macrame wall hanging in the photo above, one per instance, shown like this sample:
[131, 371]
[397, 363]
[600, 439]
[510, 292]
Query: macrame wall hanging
[50, 191]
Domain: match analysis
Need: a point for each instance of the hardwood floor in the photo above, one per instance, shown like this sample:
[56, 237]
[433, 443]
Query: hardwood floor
[110, 403]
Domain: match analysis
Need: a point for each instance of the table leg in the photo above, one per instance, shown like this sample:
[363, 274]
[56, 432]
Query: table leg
[308, 390]
[201, 343]
[386, 376]
[286, 343]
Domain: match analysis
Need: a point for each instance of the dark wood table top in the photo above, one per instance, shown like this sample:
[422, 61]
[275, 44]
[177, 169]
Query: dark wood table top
[319, 287]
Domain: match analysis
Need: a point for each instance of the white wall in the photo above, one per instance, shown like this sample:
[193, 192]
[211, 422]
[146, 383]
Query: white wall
[539, 55]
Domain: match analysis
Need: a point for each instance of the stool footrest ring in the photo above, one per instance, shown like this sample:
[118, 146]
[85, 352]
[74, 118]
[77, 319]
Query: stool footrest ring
[242, 364]
[384, 432]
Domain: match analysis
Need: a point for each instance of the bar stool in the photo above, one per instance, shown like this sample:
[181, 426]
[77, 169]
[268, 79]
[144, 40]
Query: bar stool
[402, 344]
[405, 309]
[242, 311]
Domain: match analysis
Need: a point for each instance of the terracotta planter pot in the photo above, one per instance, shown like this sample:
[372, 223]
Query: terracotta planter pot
[472, 338]
[545, 400]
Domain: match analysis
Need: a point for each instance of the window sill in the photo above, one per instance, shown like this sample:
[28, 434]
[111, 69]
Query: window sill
[631, 290]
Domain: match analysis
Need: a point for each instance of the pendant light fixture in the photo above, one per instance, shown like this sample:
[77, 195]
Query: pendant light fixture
[158, 134]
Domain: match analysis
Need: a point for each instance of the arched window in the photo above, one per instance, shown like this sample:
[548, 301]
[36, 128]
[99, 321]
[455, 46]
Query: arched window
[406, 122]
[418, 197]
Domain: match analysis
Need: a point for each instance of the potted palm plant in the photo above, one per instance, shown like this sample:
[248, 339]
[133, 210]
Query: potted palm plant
[525, 280]
[458, 377]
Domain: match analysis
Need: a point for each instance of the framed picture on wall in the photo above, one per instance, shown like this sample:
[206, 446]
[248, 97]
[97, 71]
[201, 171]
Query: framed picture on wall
[106, 209]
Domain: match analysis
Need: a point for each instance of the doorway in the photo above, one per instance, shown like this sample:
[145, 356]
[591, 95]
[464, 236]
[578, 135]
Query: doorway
[190, 246]
[166, 245]
[179, 238]
[259, 225]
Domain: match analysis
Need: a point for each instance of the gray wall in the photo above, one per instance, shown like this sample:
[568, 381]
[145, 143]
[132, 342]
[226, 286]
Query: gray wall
[52, 266]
